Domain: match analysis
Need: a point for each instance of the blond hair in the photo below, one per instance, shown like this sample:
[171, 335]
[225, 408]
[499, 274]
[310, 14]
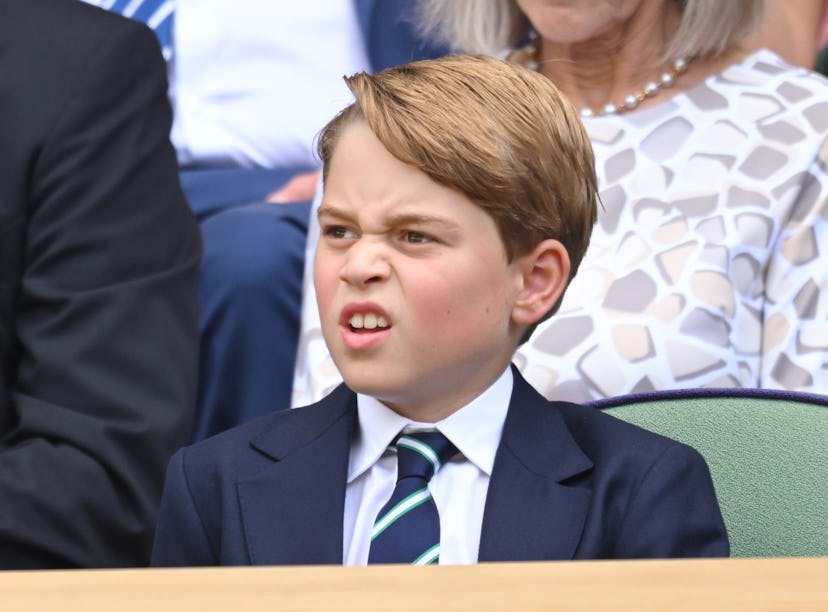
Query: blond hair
[707, 27]
[499, 133]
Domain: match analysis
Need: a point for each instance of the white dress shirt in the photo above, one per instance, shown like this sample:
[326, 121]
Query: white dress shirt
[459, 488]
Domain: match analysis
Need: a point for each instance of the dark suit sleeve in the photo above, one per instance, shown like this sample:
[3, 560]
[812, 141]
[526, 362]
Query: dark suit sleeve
[673, 512]
[105, 321]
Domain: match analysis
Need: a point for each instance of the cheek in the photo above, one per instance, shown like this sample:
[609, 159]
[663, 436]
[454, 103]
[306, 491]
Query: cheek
[457, 302]
[324, 281]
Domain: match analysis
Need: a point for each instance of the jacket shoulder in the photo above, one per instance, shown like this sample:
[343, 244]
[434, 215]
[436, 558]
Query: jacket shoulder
[602, 435]
[63, 20]
[269, 437]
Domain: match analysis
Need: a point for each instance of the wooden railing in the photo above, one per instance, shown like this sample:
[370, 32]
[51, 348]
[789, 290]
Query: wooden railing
[676, 585]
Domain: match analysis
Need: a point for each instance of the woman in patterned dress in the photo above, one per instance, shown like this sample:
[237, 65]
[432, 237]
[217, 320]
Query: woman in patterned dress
[708, 265]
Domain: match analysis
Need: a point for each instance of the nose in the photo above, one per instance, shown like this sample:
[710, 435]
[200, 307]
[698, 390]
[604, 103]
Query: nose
[365, 262]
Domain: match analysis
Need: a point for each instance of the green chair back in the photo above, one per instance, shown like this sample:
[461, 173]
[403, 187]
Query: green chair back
[768, 456]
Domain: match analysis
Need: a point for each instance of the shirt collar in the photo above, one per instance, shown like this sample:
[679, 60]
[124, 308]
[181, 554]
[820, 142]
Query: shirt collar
[475, 429]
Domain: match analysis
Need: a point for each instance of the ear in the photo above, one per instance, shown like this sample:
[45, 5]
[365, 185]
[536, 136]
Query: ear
[544, 274]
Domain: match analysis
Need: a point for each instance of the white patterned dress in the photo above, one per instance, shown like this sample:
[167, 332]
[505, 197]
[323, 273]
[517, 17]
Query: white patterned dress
[708, 266]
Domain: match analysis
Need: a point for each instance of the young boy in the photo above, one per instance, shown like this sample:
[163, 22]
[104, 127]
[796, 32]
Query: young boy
[459, 198]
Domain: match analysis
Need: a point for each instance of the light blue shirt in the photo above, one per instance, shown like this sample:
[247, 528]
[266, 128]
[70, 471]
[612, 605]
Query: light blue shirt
[252, 82]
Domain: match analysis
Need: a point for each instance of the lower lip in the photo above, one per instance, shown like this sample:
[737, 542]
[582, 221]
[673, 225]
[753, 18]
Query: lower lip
[363, 340]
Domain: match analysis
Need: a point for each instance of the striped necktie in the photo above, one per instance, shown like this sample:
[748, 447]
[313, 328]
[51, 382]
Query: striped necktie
[157, 14]
[407, 528]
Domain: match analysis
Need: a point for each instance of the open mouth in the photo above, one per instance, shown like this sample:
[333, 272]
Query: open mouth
[367, 322]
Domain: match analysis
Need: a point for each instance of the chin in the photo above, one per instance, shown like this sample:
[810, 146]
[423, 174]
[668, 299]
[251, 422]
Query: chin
[377, 384]
[368, 383]
[366, 386]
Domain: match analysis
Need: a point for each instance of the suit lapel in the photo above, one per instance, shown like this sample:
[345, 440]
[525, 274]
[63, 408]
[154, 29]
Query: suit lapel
[292, 510]
[530, 513]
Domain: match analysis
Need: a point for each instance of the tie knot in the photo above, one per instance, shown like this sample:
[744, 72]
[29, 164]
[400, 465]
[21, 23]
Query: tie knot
[421, 454]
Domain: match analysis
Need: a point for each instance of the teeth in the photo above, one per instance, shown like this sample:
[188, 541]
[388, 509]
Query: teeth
[369, 320]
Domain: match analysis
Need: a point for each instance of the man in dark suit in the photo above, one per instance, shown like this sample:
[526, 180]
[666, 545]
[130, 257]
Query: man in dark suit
[459, 198]
[98, 257]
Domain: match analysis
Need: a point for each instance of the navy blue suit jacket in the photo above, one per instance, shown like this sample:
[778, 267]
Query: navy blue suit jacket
[569, 482]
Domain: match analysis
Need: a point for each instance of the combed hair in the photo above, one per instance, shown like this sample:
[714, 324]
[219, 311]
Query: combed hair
[707, 27]
[500, 134]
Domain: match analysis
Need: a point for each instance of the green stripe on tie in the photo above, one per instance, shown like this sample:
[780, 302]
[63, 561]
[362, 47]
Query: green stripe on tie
[432, 555]
[402, 508]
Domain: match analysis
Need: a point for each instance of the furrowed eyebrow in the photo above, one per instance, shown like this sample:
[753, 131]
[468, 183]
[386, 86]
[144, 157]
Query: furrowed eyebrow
[326, 210]
[404, 219]
[420, 220]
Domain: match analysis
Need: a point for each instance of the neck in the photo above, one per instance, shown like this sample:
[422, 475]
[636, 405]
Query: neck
[618, 62]
[437, 400]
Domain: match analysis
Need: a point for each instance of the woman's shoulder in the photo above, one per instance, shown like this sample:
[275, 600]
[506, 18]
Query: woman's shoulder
[763, 73]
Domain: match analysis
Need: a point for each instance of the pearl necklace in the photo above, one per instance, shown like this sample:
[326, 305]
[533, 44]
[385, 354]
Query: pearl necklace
[631, 101]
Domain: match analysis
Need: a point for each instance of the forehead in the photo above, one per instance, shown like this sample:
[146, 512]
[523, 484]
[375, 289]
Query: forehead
[362, 173]
[372, 191]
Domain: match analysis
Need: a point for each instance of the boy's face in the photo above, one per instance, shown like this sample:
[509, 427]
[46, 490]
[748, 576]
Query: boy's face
[414, 292]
